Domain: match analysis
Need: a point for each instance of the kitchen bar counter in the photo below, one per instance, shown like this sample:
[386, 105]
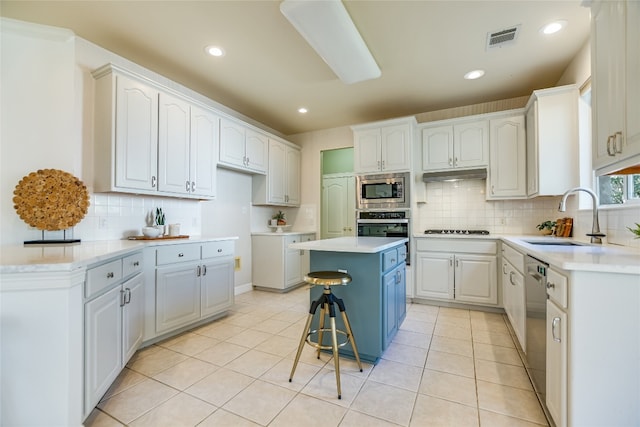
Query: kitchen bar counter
[605, 258]
[362, 245]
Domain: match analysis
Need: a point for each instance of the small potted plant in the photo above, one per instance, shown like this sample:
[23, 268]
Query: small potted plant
[279, 217]
[546, 227]
[159, 220]
[635, 231]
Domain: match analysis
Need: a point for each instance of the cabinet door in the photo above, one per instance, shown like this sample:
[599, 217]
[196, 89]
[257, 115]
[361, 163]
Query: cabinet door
[513, 295]
[103, 345]
[396, 148]
[471, 144]
[217, 286]
[204, 152]
[556, 370]
[293, 262]
[177, 296]
[338, 207]
[608, 41]
[434, 275]
[132, 317]
[401, 295]
[305, 261]
[389, 315]
[293, 176]
[136, 135]
[367, 151]
[437, 148]
[632, 86]
[173, 145]
[257, 151]
[232, 143]
[277, 172]
[532, 149]
[476, 279]
[507, 171]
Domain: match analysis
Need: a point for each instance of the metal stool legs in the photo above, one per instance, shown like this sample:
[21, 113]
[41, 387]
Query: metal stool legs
[327, 301]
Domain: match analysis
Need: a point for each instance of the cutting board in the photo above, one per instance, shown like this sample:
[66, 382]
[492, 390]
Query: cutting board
[158, 238]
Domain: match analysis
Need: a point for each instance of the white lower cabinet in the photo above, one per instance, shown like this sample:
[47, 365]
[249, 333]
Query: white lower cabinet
[114, 323]
[193, 281]
[274, 265]
[457, 270]
[556, 375]
[513, 292]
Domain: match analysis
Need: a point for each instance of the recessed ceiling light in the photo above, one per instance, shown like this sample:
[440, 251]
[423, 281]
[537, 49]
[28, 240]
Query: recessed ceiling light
[214, 50]
[553, 27]
[302, 110]
[475, 74]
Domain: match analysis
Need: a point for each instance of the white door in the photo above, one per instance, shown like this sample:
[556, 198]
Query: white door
[471, 144]
[507, 172]
[216, 286]
[232, 143]
[395, 145]
[437, 148]
[136, 135]
[277, 173]
[338, 207]
[367, 151]
[204, 152]
[173, 145]
[177, 296]
[556, 369]
[434, 275]
[293, 262]
[132, 317]
[257, 151]
[476, 279]
[293, 176]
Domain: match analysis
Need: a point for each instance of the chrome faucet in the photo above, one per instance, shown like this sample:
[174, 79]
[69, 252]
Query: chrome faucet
[596, 235]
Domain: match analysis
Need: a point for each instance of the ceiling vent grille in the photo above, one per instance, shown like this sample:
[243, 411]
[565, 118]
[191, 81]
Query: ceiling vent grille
[502, 37]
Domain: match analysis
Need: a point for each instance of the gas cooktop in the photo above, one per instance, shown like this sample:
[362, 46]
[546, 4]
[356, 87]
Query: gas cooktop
[465, 232]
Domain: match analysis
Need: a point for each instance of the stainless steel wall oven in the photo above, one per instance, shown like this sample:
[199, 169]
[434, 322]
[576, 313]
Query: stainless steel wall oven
[395, 223]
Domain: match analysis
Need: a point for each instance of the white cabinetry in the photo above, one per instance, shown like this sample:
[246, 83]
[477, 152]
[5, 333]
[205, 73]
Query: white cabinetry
[114, 325]
[281, 185]
[149, 140]
[513, 292]
[383, 146]
[193, 281]
[187, 148]
[462, 270]
[338, 206]
[557, 339]
[552, 141]
[458, 145]
[615, 30]
[274, 264]
[242, 148]
[507, 152]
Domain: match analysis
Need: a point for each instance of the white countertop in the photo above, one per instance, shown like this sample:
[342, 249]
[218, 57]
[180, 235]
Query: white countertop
[70, 257]
[584, 256]
[284, 233]
[368, 245]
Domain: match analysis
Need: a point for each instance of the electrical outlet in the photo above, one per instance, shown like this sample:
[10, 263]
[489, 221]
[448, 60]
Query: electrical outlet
[103, 223]
[237, 265]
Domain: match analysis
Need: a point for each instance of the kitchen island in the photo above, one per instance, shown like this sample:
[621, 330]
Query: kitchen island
[375, 300]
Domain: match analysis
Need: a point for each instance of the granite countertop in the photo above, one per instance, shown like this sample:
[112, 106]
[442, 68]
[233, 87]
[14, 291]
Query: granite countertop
[582, 256]
[367, 245]
[51, 258]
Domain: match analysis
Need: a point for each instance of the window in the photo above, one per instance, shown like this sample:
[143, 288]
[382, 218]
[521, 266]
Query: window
[618, 189]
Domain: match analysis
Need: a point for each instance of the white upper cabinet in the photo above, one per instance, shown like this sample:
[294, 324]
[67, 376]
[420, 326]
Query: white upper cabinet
[383, 146]
[151, 141]
[281, 185]
[507, 150]
[126, 134]
[242, 148]
[616, 84]
[458, 145]
[552, 141]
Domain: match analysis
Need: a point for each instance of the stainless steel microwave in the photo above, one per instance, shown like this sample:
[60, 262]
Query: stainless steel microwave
[383, 191]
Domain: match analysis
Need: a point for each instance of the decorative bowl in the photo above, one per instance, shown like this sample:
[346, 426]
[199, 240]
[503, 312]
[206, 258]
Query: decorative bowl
[151, 231]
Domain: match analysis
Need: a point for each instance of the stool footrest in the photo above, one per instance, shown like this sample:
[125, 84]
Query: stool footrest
[316, 344]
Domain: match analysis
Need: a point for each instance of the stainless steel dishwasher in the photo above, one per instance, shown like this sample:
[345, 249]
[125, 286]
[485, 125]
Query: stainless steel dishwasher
[536, 304]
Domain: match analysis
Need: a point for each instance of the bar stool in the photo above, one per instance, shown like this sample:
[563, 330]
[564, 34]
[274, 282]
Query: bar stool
[327, 301]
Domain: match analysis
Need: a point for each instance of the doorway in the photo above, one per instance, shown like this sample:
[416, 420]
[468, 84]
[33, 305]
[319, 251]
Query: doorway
[338, 199]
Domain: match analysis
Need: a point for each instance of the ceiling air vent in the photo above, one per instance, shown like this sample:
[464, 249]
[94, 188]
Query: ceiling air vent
[502, 37]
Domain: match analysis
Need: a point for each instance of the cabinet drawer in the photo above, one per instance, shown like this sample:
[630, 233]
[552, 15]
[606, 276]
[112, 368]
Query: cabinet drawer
[389, 259]
[102, 277]
[557, 287]
[402, 253]
[463, 245]
[132, 265]
[177, 253]
[217, 249]
[514, 257]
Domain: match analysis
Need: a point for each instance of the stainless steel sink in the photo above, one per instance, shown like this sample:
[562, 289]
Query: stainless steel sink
[552, 243]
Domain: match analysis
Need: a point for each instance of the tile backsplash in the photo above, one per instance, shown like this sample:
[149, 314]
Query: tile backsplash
[462, 205]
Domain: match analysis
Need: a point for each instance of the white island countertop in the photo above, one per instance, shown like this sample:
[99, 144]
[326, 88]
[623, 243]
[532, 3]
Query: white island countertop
[365, 245]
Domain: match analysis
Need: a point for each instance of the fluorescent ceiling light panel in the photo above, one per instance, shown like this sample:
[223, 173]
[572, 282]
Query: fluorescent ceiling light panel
[328, 28]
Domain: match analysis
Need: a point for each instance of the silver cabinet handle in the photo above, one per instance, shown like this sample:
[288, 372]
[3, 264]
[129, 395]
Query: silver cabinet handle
[383, 166]
[617, 149]
[504, 268]
[180, 255]
[551, 285]
[511, 274]
[457, 263]
[493, 189]
[204, 270]
[450, 262]
[219, 250]
[110, 275]
[455, 161]
[450, 161]
[193, 186]
[554, 323]
[609, 152]
[198, 271]
[122, 298]
[137, 263]
[127, 296]
[187, 186]
[248, 161]
[153, 181]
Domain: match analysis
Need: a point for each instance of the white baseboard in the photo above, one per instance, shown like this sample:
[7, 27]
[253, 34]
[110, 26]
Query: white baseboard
[248, 287]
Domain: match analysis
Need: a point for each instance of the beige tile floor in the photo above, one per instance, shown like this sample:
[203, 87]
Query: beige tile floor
[445, 367]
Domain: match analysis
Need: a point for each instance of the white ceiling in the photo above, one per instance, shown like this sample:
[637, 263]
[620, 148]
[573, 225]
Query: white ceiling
[422, 47]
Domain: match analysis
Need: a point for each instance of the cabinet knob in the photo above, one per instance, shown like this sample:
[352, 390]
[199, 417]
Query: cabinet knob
[110, 275]
[551, 285]
[136, 264]
[180, 255]
[219, 250]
